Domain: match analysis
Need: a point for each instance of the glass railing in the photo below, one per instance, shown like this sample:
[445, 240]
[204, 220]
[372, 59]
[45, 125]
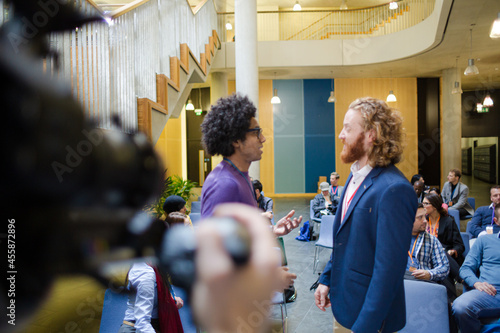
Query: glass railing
[333, 24]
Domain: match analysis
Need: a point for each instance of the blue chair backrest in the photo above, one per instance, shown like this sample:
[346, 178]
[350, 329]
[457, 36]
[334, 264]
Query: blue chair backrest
[472, 202]
[426, 298]
[195, 217]
[456, 215]
[326, 231]
[466, 239]
[113, 311]
[196, 207]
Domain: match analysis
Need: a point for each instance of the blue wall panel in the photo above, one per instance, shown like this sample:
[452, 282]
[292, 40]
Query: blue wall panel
[288, 120]
[319, 132]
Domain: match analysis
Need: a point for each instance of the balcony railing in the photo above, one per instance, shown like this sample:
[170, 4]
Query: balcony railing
[333, 24]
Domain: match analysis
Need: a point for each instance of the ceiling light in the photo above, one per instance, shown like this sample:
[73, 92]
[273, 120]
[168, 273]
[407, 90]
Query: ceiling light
[393, 5]
[343, 5]
[488, 102]
[189, 106]
[391, 97]
[229, 26]
[456, 88]
[275, 99]
[297, 7]
[471, 69]
[495, 28]
[332, 98]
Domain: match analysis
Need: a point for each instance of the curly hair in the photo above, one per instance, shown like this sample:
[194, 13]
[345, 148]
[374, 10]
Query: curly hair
[387, 124]
[227, 122]
[436, 202]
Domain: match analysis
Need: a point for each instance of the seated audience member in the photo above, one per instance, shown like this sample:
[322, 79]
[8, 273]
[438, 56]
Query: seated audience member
[323, 204]
[415, 178]
[264, 203]
[443, 226]
[175, 203]
[178, 218]
[418, 186]
[150, 290]
[426, 257]
[455, 194]
[434, 190]
[483, 217]
[480, 271]
[335, 189]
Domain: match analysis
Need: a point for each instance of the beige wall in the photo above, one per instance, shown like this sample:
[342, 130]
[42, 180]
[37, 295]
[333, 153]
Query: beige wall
[405, 89]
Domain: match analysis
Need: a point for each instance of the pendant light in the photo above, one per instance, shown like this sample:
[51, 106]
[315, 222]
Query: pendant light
[229, 26]
[391, 97]
[495, 28]
[332, 98]
[393, 5]
[471, 68]
[343, 5]
[189, 106]
[297, 7]
[456, 88]
[275, 99]
[488, 102]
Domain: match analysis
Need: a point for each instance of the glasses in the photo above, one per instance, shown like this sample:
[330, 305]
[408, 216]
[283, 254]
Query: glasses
[426, 203]
[258, 130]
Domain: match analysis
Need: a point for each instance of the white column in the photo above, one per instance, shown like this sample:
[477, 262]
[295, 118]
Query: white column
[247, 71]
[451, 125]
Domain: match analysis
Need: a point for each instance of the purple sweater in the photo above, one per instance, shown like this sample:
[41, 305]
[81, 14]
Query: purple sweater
[225, 184]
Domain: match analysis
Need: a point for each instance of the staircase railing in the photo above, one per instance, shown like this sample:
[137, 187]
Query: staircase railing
[334, 24]
[109, 66]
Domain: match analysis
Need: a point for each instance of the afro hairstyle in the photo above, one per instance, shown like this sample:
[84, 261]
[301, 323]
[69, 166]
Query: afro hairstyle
[227, 122]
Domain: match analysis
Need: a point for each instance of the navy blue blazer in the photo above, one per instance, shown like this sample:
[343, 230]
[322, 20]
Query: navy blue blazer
[480, 220]
[370, 251]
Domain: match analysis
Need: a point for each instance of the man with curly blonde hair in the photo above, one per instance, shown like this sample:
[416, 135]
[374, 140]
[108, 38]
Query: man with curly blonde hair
[373, 224]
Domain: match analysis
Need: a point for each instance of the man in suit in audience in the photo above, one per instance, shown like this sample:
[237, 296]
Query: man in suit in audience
[363, 281]
[480, 271]
[483, 217]
[455, 194]
[335, 189]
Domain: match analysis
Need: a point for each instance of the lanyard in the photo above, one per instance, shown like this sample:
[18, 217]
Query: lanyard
[336, 189]
[244, 177]
[436, 227]
[492, 216]
[344, 210]
[411, 254]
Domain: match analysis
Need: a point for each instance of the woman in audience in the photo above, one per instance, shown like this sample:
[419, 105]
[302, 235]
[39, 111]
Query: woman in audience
[178, 218]
[436, 191]
[444, 227]
[175, 203]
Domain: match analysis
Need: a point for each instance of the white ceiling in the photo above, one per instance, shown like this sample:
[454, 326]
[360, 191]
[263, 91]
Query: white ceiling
[456, 43]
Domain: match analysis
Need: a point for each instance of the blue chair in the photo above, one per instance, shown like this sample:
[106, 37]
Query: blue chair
[466, 239]
[430, 298]
[196, 207]
[311, 213]
[456, 215]
[195, 218]
[325, 237]
[113, 311]
[472, 203]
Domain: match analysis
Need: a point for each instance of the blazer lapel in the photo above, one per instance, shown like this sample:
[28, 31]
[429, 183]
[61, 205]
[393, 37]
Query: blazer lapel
[365, 185]
[338, 215]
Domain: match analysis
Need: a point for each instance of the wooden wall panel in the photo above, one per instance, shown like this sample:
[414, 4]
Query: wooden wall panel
[405, 89]
[266, 122]
[169, 147]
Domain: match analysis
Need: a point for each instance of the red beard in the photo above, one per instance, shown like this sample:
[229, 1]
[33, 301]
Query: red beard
[352, 153]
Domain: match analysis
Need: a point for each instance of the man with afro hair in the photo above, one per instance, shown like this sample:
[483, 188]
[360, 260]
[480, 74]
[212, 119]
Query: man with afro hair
[230, 129]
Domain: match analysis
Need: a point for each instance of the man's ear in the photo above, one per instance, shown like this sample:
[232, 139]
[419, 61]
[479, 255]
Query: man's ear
[236, 144]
